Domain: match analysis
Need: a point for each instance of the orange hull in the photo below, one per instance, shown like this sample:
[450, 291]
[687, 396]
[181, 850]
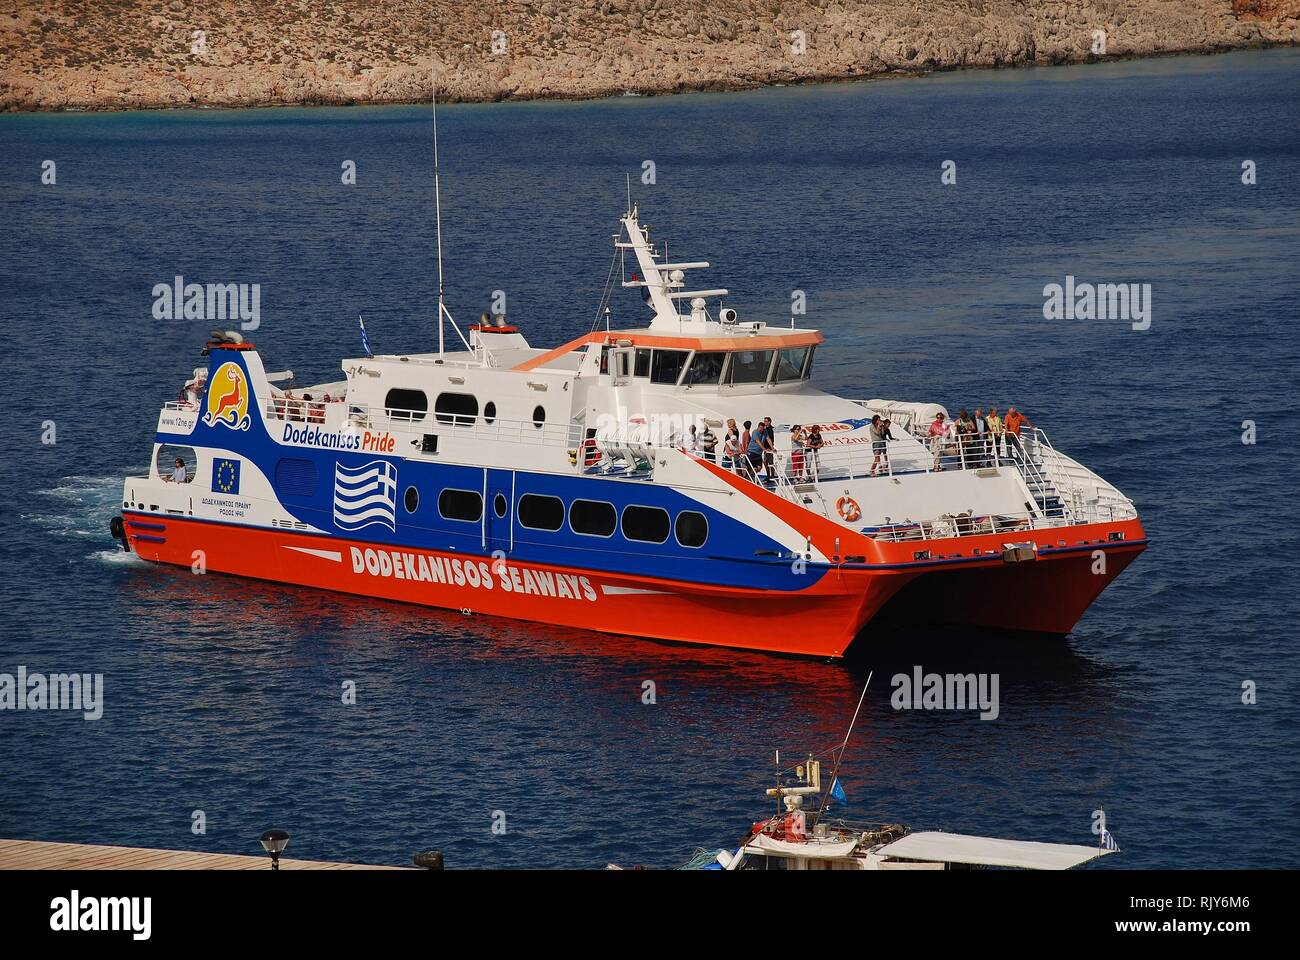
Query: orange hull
[1046, 595]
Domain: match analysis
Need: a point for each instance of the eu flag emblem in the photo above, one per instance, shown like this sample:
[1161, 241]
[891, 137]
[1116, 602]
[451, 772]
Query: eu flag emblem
[225, 476]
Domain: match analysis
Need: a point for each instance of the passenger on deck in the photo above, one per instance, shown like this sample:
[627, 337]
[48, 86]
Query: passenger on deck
[692, 441]
[179, 474]
[995, 435]
[754, 452]
[796, 452]
[315, 409]
[812, 443]
[982, 436]
[967, 436]
[731, 452]
[879, 450]
[769, 450]
[1015, 420]
[752, 440]
[938, 436]
[709, 444]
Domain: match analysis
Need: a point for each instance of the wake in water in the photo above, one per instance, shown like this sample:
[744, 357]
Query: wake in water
[79, 508]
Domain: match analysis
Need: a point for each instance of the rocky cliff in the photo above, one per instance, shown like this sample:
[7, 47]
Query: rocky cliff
[126, 54]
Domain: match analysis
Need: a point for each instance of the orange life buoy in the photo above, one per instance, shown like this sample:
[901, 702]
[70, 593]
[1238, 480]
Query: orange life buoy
[848, 509]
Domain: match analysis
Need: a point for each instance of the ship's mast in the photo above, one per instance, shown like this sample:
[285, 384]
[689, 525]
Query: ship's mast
[437, 216]
[443, 313]
[662, 281]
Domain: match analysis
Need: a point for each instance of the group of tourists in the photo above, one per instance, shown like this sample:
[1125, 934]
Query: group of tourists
[306, 409]
[980, 440]
[750, 449]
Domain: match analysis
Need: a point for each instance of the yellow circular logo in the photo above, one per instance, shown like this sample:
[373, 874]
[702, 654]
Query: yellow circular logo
[227, 401]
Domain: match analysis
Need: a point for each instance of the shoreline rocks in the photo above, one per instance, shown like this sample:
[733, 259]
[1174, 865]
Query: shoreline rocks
[143, 54]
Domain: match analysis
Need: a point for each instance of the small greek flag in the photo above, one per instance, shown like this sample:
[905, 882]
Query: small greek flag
[1108, 841]
[365, 340]
[837, 792]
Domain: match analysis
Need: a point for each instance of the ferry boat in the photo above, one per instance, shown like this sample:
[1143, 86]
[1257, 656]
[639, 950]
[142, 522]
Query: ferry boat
[573, 486]
[797, 839]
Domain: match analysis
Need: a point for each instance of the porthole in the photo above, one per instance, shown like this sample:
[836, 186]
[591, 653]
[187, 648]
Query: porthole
[411, 499]
[460, 505]
[593, 518]
[646, 524]
[490, 411]
[539, 416]
[459, 409]
[692, 528]
[499, 505]
[539, 512]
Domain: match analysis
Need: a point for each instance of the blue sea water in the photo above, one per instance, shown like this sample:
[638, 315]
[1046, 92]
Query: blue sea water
[224, 695]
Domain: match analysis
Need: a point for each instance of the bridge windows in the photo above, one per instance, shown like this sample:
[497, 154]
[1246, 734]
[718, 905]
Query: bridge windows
[790, 364]
[666, 366]
[706, 368]
[538, 512]
[750, 366]
[646, 524]
[642, 366]
[692, 528]
[592, 518]
[403, 404]
[464, 505]
[459, 409]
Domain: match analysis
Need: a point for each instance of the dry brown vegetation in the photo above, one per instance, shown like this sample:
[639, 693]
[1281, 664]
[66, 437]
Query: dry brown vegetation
[114, 54]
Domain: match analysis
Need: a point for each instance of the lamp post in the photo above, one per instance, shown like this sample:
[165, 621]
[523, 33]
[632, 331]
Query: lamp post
[273, 842]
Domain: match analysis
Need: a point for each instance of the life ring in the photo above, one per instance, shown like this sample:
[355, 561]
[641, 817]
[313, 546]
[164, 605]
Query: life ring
[848, 509]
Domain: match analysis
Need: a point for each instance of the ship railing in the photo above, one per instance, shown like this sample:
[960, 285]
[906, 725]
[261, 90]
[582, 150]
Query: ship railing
[341, 414]
[953, 525]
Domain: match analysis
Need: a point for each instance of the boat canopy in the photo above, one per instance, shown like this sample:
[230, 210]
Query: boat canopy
[989, 851]
[812, 847]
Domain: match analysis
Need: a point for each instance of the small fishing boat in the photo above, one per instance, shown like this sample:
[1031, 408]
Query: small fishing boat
[795, 838]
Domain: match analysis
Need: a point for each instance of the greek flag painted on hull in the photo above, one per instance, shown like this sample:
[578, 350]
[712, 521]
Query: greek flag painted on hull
[364, 495]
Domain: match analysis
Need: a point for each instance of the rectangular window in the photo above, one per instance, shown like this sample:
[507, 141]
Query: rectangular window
[706, 368]
[750, 366]
[666, 366]
[789, 364]
[642, 363]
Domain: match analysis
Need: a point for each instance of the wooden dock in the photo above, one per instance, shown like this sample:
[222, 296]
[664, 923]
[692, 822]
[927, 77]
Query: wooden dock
[42, 855]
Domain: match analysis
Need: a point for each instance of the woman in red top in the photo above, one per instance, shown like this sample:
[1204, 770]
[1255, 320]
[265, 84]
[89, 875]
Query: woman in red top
[938, 433]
